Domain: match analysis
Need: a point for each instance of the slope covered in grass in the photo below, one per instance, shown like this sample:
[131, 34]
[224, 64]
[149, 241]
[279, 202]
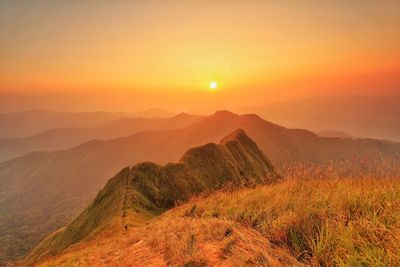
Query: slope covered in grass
[352, 222]
[147, 189]
[322, 222]
[183, 241]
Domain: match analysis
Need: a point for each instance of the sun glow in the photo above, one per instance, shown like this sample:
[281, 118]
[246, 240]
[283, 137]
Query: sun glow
[213, 85]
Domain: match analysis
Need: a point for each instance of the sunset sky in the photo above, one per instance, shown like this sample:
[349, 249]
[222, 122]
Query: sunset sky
[130, 55]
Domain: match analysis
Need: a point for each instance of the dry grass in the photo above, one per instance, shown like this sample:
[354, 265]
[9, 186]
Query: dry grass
[356, 167]
[183, 241]
[331, 215]
[352, 222]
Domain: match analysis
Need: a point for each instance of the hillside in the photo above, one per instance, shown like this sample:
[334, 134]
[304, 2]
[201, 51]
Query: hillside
[147, 189]
[43, 191]
[296, 222]
[63, 138]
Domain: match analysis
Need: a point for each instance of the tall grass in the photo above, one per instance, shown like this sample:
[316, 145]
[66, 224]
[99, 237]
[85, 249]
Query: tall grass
[324, 215]
[355, 167]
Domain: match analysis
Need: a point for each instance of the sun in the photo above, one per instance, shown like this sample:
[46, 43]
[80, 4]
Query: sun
[213, 85]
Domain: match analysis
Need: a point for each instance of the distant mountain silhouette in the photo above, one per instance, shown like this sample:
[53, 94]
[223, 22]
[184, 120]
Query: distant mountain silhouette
[28, 123]
[148, 188]
[42, 191]
[337, 134]
[63, 138]
[153, 113]
[363, 116]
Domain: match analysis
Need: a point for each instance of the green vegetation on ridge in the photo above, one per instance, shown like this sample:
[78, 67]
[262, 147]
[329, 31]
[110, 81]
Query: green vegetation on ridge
[147, 188]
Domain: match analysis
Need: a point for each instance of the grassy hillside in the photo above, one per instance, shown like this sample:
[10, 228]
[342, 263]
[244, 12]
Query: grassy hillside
[322, 222]
[147, 189]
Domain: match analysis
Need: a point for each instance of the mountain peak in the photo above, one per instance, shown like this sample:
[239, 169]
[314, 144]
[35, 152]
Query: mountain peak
[224, 113]
[184, 115]
[238, 135]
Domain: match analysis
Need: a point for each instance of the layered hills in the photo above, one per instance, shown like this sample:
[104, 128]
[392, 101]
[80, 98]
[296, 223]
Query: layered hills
[63, 138]
[147, 189]
[27, 123]
[43, 191]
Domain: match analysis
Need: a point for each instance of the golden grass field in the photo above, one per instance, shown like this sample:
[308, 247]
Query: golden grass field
[311, 217]
[353, 222]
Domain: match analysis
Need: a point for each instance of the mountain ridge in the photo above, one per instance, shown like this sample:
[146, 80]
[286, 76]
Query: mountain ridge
[151, 188]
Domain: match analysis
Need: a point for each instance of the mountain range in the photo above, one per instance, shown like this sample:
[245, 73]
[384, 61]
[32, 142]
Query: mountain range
[62, 138]
[28, 123]
[43, 191]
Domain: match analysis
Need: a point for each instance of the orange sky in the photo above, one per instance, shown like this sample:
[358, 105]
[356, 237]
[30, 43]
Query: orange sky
[165, 53]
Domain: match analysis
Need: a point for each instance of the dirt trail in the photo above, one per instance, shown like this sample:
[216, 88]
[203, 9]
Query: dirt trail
[124, 204]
